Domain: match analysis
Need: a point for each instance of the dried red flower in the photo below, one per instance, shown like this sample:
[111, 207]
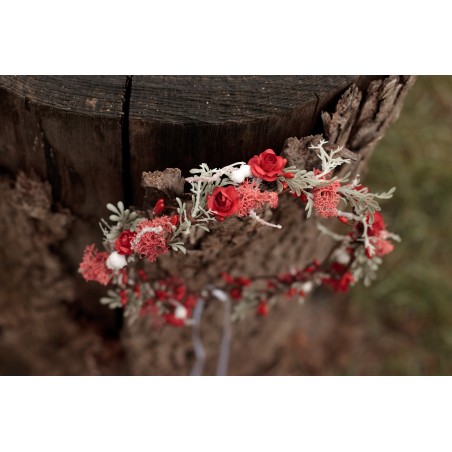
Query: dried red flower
[251, 198]
[150, 244]
[93, 267]
[326, 199]
[383, 247]
[224, 201]
[267, 165]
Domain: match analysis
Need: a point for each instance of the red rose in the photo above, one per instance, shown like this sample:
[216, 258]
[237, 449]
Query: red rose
[267, 166]
[224, 201]
[123, 243]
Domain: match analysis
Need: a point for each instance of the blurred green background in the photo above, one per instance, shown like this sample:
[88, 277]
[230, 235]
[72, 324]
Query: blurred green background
[402, 324]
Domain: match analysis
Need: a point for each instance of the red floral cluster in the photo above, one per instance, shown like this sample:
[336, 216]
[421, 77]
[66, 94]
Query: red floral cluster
[173, 299]
[93, 266]
[340, 278]
[251, 198]
[378, 235]
[151, 244]
[235, 285]
[228, 201]
[281, 284]
[379, 232]
[326, 199]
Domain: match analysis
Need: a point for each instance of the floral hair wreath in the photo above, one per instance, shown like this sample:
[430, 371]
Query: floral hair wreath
[240, 189]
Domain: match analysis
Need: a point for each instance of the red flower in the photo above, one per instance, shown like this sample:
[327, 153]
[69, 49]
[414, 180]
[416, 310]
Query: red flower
[377, 226]
[345, 282]
[326, 199]
[267, 166]
[251, 198]
[342, 284]
[224, 201]
[383, 247]
[150, 244]
[93, 267]
[122, 243]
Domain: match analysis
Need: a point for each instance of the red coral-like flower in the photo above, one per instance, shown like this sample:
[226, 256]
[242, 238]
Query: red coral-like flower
[383, 247]
[267, 165]
[93, 267]
[151, 244]
[378, 231]
[251, 198]
[123, 243]
[224, 201]
[326, 199]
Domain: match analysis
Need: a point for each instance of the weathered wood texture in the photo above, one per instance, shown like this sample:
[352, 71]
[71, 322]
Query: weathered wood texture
[89, 139]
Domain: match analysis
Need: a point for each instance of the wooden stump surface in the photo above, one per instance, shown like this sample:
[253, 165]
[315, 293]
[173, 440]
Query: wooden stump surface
[69, 145]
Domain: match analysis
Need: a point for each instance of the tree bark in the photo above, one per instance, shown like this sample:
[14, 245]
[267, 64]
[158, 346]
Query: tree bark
[69, 145]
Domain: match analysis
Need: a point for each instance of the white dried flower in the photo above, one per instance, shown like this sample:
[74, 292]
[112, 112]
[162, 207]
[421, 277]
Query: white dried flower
[116, 261]
[240, 174]
[307, 286]
[342, 257]
[180, 312]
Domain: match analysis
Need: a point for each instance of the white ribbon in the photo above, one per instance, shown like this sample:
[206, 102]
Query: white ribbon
[225, 344]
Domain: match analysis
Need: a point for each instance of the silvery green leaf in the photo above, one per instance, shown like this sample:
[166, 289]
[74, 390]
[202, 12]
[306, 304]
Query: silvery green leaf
[112, 208]
[203, 227]
[114, 218]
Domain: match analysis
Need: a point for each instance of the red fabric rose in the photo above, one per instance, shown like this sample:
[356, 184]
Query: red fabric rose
[224, 201]
[267, 166]
[122, 243]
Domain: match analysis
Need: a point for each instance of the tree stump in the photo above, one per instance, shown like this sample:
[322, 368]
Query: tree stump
[69, 145]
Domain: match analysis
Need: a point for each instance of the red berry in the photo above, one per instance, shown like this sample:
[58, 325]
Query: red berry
[262, 309]
[236, 293]
[123, 295]
[303, 197]
[159, 206]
